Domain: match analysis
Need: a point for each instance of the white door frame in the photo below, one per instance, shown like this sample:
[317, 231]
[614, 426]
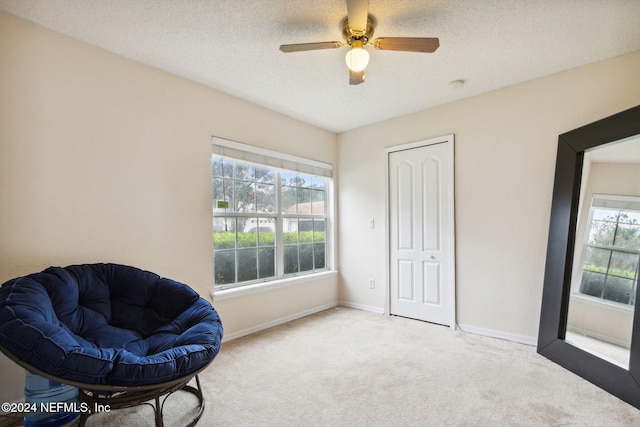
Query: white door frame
[449, 140]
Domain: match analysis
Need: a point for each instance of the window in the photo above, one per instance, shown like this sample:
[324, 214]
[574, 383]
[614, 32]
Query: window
[612, 251]
[268, 222]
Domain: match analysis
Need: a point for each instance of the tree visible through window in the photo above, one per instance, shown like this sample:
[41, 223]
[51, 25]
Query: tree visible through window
[612, 254]
[267, 223]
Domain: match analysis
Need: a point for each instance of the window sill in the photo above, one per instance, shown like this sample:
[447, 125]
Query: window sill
[224, 294]
[612, 306]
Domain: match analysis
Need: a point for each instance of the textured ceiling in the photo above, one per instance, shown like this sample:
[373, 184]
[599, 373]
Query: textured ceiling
[232, 46]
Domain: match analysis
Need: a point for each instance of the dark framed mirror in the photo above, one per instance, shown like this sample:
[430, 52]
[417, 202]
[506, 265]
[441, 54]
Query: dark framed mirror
[566, 260]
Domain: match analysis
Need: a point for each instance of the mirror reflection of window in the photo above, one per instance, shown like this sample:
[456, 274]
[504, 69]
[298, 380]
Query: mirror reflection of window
[612, 249]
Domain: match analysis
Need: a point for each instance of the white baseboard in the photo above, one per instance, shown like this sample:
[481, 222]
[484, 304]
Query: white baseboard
[522, 339]
[370, 308]
[600, 337]
[492, 333]
[280, 321]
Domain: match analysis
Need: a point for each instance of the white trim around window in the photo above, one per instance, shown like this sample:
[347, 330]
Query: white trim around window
[281, 163]
[224, 294]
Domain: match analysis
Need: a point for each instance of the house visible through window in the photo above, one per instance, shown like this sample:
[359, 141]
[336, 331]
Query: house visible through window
[268, 222]
[612, 251]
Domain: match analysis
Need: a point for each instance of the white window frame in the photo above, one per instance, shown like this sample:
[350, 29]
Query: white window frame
[283, 162]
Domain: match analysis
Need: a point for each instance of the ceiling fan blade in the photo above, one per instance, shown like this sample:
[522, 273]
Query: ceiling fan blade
[407, 44]
[357, 13]
[301, 47]
[356, 77]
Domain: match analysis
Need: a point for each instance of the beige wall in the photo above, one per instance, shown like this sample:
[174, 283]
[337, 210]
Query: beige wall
[103, 159]
[505, 148]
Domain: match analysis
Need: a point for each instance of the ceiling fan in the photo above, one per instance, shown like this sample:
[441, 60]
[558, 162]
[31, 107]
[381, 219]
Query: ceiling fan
[357, 30]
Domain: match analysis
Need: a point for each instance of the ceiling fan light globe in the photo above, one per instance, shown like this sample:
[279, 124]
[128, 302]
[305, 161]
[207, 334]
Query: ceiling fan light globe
[357, 59]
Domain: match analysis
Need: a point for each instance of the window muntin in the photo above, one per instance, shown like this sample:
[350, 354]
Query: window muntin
[267, 223]
[611, 254]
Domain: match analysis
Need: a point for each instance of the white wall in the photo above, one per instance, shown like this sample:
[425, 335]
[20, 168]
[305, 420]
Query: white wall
[505, 149]
[103, 159]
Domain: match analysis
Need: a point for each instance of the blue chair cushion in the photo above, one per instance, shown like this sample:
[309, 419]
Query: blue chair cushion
[108, 324]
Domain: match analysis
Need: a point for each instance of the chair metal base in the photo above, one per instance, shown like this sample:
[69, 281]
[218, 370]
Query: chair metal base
[127, 399]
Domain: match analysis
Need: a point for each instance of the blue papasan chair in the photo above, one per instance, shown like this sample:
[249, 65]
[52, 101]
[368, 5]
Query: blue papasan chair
[122, 335]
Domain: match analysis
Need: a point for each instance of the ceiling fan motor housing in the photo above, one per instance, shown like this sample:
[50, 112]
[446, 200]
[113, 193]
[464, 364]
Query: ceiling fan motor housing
[350, 35]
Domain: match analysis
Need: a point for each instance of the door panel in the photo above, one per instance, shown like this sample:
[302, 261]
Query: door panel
[404, 192]
[431, 204]
[431, 283]
[406, 283]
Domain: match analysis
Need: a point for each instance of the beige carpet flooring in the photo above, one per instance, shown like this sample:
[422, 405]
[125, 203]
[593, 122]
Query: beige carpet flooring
[345, 367]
